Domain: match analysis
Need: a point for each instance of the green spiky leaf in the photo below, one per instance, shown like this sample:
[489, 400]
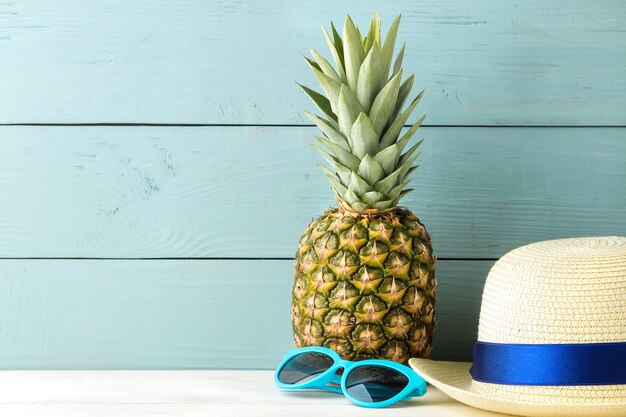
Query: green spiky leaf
[368, 82]
[336, 50]
[337, 41]
[330, 86]
[373, 35]
[409, 153]
[402, 194]
[321, 102]
[342, 171]
[353, 52]
[364, 137]
[334, 180]
[325, 66]
[329, 129]
[405, 166]
[392, 133]
[398, 63]
[372, 197]
[409, 172]
[388, 158]
[384, 205]
[370, 170]
[387, 184]
[358, 184]
[407, 136]
[395, 191]
[384, 103]
[348, 109]
[353, 199]
[311, 63]
[360, 206]
[405, 90]
[387, 50]
[343, 156]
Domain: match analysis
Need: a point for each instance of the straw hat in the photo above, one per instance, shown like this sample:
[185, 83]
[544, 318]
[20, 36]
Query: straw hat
[557, 294]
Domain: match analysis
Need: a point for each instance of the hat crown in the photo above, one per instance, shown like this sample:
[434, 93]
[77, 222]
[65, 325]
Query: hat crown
[557, 291]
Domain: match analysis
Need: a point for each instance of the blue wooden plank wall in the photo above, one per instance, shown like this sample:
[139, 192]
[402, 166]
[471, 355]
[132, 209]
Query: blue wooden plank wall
[155, 174]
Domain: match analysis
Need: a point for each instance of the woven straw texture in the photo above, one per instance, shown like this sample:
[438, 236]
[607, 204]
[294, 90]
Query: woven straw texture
[558, 291]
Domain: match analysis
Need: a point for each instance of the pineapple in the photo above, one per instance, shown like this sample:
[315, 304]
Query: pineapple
[365, 271]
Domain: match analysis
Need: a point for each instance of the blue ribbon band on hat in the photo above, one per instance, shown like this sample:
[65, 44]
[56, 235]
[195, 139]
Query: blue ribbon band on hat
[550, 364]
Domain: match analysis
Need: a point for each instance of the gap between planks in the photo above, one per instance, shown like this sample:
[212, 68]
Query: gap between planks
[79, 258]
[139, 124]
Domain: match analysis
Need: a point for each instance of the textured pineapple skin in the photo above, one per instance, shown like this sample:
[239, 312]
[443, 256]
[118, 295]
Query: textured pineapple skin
[365, 285]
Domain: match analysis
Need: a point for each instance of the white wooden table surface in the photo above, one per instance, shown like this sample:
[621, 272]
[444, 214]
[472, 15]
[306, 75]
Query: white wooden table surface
[190, 393]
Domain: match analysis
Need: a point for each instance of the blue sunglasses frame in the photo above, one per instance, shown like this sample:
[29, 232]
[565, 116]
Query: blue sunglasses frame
[416, 386]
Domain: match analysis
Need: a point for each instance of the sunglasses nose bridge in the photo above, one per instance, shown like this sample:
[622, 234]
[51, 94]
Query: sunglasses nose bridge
[334, 377]
[335, 368]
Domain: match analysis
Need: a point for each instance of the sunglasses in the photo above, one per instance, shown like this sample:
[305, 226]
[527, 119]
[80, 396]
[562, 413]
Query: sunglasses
[371, 383]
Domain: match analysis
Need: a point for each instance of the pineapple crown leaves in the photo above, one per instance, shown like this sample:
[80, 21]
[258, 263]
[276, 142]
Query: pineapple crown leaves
[362, 102]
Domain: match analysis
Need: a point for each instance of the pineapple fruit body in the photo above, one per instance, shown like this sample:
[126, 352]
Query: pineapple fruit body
[365, 285]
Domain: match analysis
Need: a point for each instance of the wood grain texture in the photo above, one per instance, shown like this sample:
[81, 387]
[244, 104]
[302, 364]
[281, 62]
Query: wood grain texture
[97, 314]
[250, 191]
[190, 393]
[481, 62]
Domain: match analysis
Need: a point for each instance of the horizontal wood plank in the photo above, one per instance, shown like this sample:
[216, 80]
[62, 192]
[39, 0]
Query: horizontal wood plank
[190, 393]
[316, 407]
[481, 62]
[97, 314]
[250, 191]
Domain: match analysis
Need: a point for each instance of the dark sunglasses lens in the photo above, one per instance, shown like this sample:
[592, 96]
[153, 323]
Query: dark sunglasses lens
[304, 367]
[375, 383]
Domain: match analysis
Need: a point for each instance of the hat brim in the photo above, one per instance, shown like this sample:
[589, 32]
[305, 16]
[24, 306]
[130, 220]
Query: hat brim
[454, 379]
